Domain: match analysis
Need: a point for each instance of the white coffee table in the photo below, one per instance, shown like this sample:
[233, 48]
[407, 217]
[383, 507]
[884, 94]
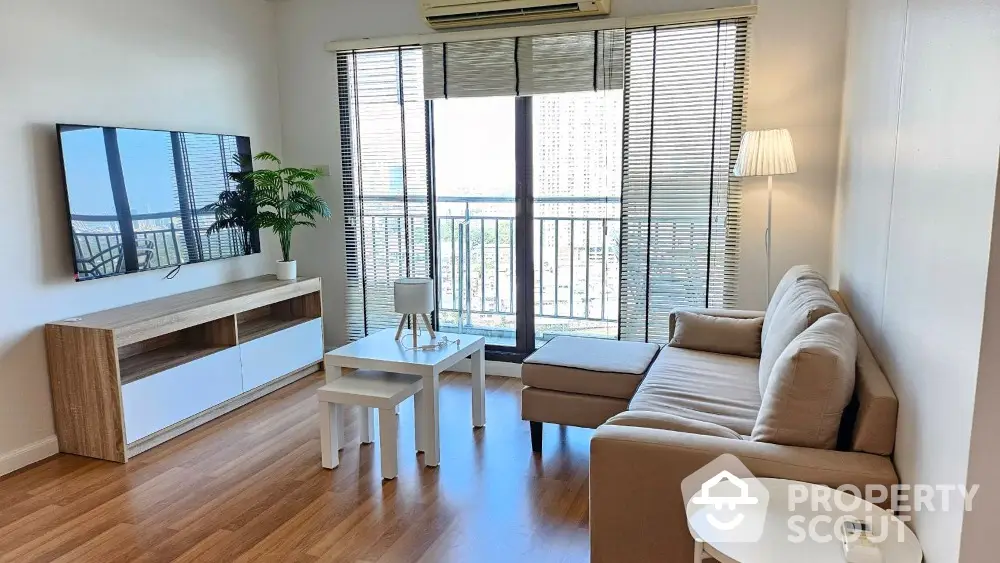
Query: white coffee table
[381, 351]
[899, 546]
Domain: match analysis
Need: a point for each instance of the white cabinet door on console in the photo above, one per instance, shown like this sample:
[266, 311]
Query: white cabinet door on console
[270, 357]
[155, 402]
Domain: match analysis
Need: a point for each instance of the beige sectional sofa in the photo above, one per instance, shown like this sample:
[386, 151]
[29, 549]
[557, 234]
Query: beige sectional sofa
[782, 414]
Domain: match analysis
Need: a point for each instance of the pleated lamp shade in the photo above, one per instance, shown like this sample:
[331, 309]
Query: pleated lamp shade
[766, 153]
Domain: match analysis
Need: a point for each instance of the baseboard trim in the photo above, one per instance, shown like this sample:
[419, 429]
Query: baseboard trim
[500, 369]
[32, 453]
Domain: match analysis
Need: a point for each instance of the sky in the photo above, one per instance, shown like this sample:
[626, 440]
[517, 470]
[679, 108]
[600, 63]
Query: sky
[148, 167]
[146, 162]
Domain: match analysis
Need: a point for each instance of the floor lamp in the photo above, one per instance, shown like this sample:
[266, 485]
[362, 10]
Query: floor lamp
[766, 153]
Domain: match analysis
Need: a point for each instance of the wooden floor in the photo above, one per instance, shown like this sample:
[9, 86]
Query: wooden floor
[249, 487]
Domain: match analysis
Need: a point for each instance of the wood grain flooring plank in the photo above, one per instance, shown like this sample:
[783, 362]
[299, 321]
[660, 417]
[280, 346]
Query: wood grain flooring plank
[80, 522]
[123, 542]
[20, 484]
[215, 547]
[248, 486]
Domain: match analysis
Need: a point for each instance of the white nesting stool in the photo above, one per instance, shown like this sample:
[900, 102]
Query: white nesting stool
[373, 390]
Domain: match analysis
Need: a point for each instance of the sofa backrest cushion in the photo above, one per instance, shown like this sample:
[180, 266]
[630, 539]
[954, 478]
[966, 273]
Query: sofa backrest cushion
[793, 275]
[811, 385]
[869, 424]
[804, 303]
[722, 335]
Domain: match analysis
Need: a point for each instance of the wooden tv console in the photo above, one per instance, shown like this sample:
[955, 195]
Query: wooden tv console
[127, 379]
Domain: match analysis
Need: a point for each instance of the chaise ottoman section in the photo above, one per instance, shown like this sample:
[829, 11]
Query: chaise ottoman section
[571, 409]
[581, 381]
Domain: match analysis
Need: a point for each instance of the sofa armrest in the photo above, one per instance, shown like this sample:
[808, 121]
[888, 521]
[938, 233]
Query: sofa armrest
[664, 421]
[636, 505]
[724, 313]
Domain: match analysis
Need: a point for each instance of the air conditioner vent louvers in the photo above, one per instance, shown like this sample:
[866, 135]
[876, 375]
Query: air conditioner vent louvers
[443, 14]
[568, 8]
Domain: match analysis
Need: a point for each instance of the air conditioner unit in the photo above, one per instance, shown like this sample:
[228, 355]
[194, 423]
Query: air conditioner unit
[442, 14]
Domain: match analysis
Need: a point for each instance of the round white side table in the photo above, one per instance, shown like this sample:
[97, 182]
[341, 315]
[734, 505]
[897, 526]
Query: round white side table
[899, 546]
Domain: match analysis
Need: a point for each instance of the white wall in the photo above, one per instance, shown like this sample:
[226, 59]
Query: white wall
[921, 133]
[796, 72]
[197, 65]
[796, 82]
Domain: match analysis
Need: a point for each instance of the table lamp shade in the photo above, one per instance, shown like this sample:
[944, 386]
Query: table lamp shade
[413, 296]
[766, 153]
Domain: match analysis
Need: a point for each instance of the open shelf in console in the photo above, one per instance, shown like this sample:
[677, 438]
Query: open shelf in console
[263, 326]
[162, 359]
[269, 319]
[158, 354]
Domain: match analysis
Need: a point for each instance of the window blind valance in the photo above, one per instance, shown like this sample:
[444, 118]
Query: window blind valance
[525, 66]
[471, 69]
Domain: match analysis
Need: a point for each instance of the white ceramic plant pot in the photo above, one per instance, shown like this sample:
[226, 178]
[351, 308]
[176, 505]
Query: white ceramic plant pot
[287, 270]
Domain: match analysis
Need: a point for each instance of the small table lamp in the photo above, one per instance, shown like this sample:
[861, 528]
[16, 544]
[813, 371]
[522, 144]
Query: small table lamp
[766, 153]
[412, 297]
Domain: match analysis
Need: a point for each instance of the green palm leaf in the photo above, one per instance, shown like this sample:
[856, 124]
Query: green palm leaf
[274, 197]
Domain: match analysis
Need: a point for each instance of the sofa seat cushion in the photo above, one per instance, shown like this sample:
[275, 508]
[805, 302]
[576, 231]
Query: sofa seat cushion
[595, 354]
[589, 366]
[702, 386]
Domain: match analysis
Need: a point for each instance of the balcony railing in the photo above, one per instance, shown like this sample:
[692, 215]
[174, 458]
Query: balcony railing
[576, 258]
[575, 246]
[160, 242]
[577, 265]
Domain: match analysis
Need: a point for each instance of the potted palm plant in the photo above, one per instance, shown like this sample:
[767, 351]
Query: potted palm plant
[286, 198]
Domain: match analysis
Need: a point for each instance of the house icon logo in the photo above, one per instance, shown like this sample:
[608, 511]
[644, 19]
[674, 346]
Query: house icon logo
[705, 497]
[726, 496]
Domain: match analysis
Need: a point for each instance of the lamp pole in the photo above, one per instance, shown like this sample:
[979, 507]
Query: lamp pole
[767, 239]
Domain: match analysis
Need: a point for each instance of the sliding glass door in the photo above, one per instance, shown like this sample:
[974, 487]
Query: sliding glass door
[475, 180]
[576, 200]
[527, 194]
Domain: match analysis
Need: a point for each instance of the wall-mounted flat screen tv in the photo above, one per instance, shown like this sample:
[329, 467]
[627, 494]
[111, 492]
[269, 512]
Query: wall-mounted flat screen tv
[142, 199]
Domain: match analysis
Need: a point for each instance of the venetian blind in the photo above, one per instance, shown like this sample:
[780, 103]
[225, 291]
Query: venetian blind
[384, 163]
[205, 161]
[684, 115]
[525, 66]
